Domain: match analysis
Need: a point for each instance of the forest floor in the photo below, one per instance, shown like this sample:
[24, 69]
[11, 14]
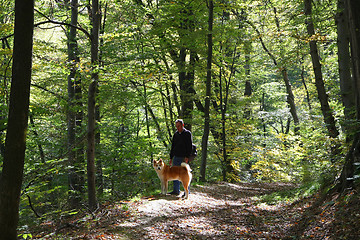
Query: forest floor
[216, 211]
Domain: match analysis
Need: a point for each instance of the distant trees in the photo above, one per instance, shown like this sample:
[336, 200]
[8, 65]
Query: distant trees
[271, 109]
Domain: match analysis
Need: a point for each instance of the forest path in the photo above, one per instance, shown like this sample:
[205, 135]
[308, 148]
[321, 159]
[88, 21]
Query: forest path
[215, 211]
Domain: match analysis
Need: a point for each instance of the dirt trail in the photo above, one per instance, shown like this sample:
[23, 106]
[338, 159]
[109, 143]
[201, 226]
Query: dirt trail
[214, 211]
[218, 211]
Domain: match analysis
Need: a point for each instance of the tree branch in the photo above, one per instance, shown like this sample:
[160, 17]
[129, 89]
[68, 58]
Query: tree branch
[64, 24]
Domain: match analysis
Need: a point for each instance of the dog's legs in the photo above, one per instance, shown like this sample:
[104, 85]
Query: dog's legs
[165, 187]
[186, 188]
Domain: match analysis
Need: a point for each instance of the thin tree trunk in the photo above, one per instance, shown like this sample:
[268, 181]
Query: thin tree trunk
[188, 105]
[182, 77]
[204, 143]
[248, 89]
[15, 143]
[170, 120]
[175, 96]
[75, 183]
[290, 96]
[319, 82]
[291, 99]
[305, 86]
[262, 108]
[41, 150]
[226, 163]
[99, 164]
[147, 121]
[91, 169]
[228, 167]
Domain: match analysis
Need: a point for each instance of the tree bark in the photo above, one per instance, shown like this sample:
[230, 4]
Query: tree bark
[91, 169]
[302, 75]
[75, 183]
[354, 23]
[186, 83]
[291, 99]
[346, 83]
[15, 143]
[99, 163]
[319, 82]
[248, 88]
[205, 137]
[352, 159]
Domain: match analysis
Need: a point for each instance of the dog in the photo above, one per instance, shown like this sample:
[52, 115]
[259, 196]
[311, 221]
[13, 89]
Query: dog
[166, 173]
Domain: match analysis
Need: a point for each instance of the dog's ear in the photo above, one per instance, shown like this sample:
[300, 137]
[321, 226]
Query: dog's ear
[160, 160]
[154, 162]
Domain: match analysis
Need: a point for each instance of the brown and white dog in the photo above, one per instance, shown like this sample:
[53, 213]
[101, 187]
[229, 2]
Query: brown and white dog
[166, 173]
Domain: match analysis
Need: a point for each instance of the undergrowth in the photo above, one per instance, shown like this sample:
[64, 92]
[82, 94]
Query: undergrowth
[290, 195]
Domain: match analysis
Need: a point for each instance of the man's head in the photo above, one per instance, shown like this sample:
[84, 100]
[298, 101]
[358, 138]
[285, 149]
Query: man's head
[179, 125]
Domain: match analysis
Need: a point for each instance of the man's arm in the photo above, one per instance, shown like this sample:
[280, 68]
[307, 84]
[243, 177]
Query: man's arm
[188, 144]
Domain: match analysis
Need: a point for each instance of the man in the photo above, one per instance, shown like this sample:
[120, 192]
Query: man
[181, 147]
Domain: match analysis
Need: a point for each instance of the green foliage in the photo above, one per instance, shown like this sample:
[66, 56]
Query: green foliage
[139, 96]
[291, 195]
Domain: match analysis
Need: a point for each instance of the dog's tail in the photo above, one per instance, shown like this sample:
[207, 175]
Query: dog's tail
[187, 166]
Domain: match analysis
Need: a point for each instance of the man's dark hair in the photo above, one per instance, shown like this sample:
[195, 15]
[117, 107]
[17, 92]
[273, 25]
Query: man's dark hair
[180, 121]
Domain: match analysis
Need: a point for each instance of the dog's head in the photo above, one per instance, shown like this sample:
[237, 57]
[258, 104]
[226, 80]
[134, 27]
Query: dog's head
[158, 165]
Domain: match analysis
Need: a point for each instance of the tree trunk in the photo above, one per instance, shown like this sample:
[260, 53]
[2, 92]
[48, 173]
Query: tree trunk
[181, 63]
[346, 83]
[41, 150]
[354, 23]
[226, 165]
[248, 88]
[99, 163]
[320, 86]
[205, 137]
[15, 143]
[188, 105]
[305, 86]
[148, 122]
[186, 83]
[75, 183]
[352, 159]
[91, 169]
[229, 172]
[291, 99]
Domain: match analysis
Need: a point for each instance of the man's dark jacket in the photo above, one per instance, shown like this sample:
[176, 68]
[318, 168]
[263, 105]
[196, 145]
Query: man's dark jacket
[181, 144]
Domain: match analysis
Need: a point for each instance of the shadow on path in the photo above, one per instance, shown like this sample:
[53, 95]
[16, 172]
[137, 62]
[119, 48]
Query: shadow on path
[217, 211]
